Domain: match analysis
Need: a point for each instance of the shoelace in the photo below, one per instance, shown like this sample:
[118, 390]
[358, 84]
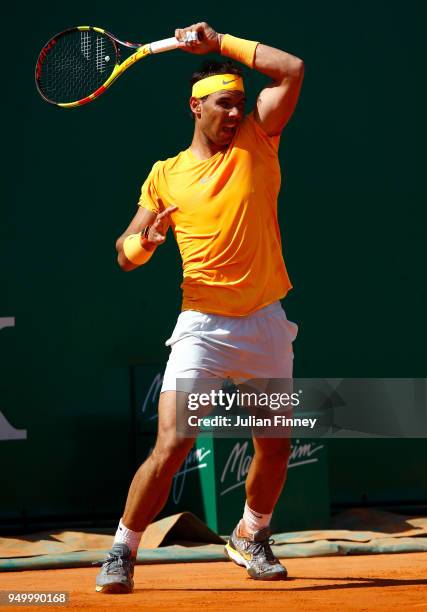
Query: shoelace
[110, 560]
[264, 546]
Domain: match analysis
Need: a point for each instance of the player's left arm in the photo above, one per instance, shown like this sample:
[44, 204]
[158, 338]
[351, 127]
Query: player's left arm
[276, 102]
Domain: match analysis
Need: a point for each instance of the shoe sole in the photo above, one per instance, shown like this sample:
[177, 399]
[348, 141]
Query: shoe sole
[235, 556]
[114, 588]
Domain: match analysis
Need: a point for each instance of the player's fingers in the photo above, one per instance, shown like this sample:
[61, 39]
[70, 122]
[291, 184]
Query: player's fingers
[170, 209]
[160, 227]
[167, 212]
[196, 34]
[162, 221]
[158, 221]
[157, 237]
[201, 29]
[184, 47]
[188, 37]
[156, 230]
[181, 37]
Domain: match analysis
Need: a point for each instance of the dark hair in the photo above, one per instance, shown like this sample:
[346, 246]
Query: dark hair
[209, 68]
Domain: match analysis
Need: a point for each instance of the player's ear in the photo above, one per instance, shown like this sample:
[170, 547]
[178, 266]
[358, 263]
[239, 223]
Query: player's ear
[195, 106]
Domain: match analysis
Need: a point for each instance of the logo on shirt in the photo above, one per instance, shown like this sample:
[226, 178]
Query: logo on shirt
[205, 179]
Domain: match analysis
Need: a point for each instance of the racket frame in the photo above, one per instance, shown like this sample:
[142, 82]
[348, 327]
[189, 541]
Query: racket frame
[142, 50]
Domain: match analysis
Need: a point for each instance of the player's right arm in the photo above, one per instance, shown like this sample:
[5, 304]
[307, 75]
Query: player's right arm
[155, 235]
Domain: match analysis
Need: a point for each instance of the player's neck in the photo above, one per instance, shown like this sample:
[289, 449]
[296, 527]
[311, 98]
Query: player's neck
[203, 148]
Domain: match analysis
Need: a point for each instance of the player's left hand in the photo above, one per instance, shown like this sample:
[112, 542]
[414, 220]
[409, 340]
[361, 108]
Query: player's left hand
[206, 41]
[159, 228]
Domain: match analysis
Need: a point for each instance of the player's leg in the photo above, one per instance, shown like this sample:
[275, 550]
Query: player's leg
[147, 495]
[190, 358]
[151, 484]
[266, 477]
[249, 543]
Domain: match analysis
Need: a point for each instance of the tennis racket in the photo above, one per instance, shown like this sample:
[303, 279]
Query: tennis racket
[77, 65]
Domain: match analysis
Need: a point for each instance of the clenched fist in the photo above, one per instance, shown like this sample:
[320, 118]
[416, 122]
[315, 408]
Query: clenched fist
[206, 41]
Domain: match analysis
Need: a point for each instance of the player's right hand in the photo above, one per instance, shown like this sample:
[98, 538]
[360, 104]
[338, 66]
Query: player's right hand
[206, 41]
[157, 232]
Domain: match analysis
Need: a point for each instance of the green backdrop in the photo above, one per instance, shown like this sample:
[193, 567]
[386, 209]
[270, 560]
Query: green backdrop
[352, 211]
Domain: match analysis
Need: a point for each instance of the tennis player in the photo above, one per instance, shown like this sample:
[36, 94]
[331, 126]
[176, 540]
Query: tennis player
[220, 198]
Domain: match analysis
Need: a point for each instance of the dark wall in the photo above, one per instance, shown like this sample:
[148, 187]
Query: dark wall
[352, 211]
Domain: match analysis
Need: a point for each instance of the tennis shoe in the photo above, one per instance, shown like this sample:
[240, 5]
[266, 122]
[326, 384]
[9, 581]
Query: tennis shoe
[116, 575]
[254, 553]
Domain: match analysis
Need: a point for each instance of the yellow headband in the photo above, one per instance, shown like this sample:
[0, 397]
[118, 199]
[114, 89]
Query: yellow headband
[217, 82]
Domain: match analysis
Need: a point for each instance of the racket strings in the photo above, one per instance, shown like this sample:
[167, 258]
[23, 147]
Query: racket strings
[101, 54]
[76, 65]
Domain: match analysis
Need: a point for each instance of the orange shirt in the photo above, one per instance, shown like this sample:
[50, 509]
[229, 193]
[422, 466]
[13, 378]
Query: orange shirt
[226, 223]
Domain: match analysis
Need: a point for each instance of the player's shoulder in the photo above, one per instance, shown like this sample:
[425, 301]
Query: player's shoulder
[170, 163]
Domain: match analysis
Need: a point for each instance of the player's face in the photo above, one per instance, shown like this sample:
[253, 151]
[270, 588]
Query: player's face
[220, 115]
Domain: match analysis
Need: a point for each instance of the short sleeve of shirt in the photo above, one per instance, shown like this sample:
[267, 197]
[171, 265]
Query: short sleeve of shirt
[150, 198]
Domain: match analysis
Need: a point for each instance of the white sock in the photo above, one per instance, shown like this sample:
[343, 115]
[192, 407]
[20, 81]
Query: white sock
[254, 521]
[129, 537]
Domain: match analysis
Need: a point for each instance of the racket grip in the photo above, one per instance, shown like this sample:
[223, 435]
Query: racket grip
[167, 44]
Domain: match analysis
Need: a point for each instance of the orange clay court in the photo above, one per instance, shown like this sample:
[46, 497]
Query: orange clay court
[366, 582]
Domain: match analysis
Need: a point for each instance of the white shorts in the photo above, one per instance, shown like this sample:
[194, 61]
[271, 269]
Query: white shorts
[212, 346]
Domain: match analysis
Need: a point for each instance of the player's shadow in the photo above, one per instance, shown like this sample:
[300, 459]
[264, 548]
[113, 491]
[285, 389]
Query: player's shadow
[358, 583]
[345, 583]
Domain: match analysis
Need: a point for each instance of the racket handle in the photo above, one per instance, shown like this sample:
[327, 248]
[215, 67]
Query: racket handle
[171, 43]
[167, 44]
